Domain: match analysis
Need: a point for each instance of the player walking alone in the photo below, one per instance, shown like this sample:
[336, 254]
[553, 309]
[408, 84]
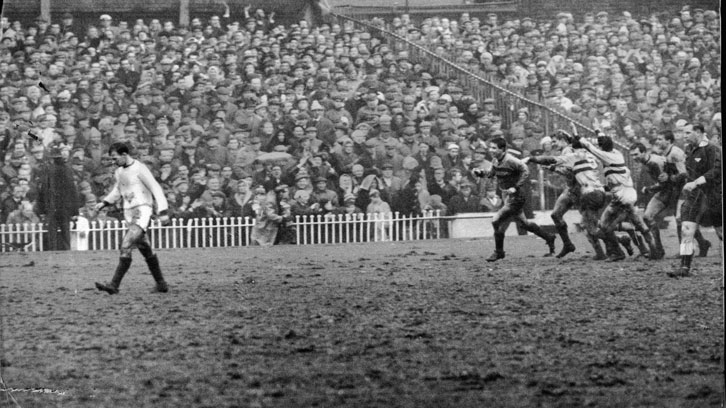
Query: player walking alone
[137, 187]
[511, 175]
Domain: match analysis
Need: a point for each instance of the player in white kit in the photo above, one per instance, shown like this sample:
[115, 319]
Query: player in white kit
[137, 187]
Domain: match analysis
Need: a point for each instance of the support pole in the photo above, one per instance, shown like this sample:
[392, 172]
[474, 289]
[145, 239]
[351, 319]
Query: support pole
[45, 10]
[184, 13]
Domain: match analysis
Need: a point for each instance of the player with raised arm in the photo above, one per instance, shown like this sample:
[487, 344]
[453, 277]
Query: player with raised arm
[138, 189]
[584, 191]
[620, 185]
[511, 174]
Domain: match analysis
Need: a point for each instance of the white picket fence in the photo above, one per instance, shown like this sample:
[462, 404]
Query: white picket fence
[235, 231]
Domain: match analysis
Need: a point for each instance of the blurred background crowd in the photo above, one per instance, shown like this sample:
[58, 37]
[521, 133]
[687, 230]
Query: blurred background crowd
[241, 116]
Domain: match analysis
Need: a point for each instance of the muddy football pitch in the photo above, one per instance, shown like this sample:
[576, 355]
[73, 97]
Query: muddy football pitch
[408, 324]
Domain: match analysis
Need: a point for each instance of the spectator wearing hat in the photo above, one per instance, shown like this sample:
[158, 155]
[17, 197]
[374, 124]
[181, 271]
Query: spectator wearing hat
[325, 129]
[390, 156]
[274, 178]
[78, 169]
[442, 125]
[348, 206]
[181, 206]
[301, 180]
[453, 157]
[246, 158]
[383, 133]
[424, 157]
[465, 201]
[217, 208]
[319, 165]
[408, 145]
[327, 198]
[366, 150]
[67, 25]
[345, 157]
[127, 75]
[58, 200]
[304, 205]
[12, 201]
[437, 183]
[212, 151]
[46, 129]
[369, 110]
[426, 136]
[337, 113]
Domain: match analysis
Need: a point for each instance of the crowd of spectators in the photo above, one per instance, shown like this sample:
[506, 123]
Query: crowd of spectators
[631, 76]
[243, 116]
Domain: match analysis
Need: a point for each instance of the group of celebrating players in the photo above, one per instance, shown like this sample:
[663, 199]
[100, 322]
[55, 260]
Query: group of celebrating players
[688, 184]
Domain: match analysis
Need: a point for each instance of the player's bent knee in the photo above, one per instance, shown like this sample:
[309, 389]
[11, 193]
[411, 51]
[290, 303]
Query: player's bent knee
[688, 229]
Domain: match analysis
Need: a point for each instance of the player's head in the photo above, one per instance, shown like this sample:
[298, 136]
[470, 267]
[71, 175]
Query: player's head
[497, 147]
[638, 152]
[691, 135]
[668, 136]
[605, 142]
[119, 153]
[699, 128]
[664, 139]
[562, 135]
[119, 148]
[562, 139]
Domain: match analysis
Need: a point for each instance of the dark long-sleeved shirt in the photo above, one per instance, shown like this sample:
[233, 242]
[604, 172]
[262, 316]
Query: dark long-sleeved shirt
[704, 160]
[510, 172]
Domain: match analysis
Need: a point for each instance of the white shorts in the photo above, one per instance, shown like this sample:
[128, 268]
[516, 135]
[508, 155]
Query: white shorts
[140, 215]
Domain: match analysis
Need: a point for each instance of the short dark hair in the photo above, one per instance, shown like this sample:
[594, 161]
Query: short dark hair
[699, 127]
[562, 135]
[499, 142]
[605, 142]
[668, 135]
[639, 146]
[119, 147]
